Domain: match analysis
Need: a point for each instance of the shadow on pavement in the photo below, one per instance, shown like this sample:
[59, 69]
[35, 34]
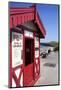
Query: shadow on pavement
[50, 64]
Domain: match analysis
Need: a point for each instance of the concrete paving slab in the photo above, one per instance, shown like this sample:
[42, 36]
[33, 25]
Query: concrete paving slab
[48, 74]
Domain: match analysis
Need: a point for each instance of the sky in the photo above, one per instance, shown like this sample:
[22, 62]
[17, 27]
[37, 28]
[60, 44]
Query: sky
[49, 16]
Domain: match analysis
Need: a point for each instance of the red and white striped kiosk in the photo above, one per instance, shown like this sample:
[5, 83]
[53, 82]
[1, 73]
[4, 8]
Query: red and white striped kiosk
[26, 29]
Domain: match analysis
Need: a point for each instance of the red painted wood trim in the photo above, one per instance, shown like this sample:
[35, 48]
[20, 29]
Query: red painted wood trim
[34, 55]
[19, 66]
[28, 17]
[10, 71]
[17, 80]
[21, 10]
[20, 19]
[23, 55]
[38, 64]
[10, 63]
[39, 58]
[33, 82]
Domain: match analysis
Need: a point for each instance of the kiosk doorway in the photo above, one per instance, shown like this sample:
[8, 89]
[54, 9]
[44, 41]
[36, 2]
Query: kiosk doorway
[29, 61]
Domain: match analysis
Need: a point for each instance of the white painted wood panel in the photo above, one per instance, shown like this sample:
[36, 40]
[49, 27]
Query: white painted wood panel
[37, 54]
[28, 33]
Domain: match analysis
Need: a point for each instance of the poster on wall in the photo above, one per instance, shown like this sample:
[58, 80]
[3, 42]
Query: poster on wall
[36, 42]
[36, 53]
[17, 48]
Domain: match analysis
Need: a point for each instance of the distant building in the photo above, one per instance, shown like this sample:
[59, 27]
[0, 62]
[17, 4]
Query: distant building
[45, 47]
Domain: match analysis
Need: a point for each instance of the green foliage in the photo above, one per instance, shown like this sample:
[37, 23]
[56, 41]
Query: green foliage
[56, 48]
[53, 43]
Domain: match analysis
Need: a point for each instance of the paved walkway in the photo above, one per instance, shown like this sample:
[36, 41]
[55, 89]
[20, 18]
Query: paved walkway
[49, 70]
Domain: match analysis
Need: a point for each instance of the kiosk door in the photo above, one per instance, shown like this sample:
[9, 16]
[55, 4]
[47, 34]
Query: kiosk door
[29, 59]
